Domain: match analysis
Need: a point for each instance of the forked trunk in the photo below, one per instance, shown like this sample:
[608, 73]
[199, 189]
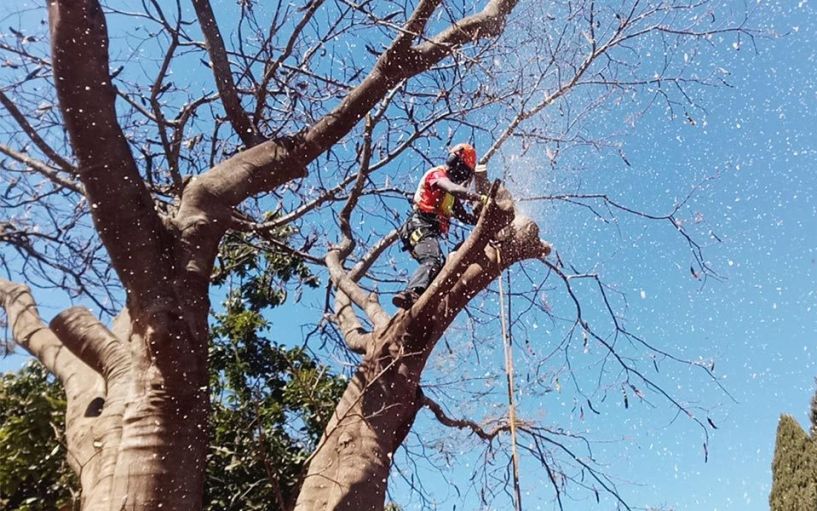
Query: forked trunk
[136, 429]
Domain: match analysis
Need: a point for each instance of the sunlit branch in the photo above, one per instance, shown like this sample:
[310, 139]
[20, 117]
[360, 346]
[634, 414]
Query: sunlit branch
[470, 425]
[52, 174]
[224, 76]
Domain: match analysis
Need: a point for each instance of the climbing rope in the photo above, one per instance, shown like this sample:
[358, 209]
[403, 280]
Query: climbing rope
[506, 341]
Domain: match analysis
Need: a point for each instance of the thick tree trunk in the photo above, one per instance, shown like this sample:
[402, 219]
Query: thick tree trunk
[137, 401]
[164, 433]
[350, 467]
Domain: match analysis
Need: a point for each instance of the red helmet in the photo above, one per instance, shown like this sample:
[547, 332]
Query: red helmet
[466, 154]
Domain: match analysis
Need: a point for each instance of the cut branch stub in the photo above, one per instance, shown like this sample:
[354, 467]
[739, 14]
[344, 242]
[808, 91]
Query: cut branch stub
[474, 265]
[91, 341]
[98, 347]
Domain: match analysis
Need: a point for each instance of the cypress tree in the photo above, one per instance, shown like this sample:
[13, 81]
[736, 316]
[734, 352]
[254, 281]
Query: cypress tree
[794, 468]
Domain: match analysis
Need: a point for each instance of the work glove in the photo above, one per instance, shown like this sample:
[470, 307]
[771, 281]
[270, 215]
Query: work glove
[478, 200]
[478, 207]
[481, 169]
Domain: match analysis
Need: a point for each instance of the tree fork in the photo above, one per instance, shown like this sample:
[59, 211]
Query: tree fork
[380, 404]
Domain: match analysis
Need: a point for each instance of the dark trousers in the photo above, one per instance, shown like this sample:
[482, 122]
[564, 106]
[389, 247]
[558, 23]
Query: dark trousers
[427, 252]
[421, 237]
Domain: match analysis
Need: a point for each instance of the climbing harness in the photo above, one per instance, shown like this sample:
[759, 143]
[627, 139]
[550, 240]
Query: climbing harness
[417, 227]
[509, 373]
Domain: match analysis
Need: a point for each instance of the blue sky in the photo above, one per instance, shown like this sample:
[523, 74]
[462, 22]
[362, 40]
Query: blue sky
[758, 323]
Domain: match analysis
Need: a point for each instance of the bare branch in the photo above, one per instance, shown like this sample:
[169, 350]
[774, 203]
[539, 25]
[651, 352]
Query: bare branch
[29, 130]
[475, 428]
[224, 76]
[270, 70]
[159, 116]
[32, 334]
[366, 301]
[354, 335]
[401, 61]
[50, 173]
[366, 262]
[92, 342]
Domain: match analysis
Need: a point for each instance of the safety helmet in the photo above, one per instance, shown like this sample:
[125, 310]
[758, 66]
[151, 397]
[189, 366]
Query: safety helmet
[462, 159]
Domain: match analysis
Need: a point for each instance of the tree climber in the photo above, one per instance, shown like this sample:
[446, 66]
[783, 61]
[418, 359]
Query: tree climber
[437, 199]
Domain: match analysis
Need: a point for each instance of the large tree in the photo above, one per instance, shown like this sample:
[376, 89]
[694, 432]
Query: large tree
[269, 407]
[291, 132]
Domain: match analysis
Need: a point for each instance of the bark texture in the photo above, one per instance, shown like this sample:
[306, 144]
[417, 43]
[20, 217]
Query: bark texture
[147, 429]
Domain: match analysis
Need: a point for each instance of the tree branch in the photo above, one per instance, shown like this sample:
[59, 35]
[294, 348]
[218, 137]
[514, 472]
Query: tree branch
[82, 385]
[445, 420]
[272, 163]
[347, 287]
[269, 72]
[121, 206]
[224, 76]
[366, 301]
[366, 262]
[92, 342]
[31, 333]
[401, 61]
[29, 130]
[472, 268]
[161, 121]
[354, 335]
[43, 169]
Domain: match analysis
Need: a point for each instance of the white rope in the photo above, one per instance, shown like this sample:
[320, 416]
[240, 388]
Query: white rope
[509, 373]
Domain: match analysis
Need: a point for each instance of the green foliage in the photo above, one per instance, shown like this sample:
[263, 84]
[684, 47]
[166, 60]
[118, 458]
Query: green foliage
[261, 268]
[33, 472]
[270, 406]
[794, 469]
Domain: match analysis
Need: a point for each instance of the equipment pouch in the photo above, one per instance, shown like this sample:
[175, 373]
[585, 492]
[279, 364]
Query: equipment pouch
[414, 231]
[405, 232]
